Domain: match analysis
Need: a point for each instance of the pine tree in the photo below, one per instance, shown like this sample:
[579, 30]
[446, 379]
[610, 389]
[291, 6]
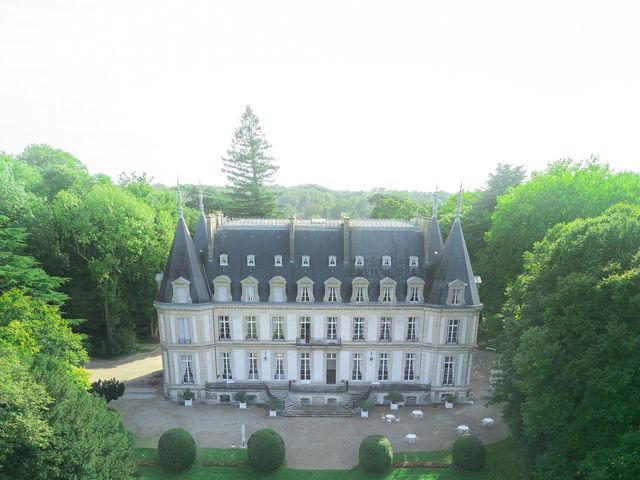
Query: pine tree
[248, 169]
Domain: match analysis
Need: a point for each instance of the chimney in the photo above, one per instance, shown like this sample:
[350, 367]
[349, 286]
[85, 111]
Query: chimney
[292, 237]
[345, 239]
[215, 219]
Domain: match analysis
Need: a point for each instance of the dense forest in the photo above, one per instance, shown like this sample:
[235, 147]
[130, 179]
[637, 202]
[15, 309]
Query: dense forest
[558, 252]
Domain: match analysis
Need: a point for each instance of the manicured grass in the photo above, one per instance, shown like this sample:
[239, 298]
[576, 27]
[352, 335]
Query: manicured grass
[504, 462]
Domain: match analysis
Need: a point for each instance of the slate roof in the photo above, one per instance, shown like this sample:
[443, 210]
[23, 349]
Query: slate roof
[372, 241]
[452, 264]
[184, 262]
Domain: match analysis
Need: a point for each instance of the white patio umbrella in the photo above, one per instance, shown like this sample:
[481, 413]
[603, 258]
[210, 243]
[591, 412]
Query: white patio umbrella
[243, 442]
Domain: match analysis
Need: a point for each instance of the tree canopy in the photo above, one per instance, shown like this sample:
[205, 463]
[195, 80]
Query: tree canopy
[249, 169]
[570, 358]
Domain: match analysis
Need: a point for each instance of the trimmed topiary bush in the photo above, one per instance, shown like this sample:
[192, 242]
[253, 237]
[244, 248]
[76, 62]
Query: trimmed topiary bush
[376, 453]
[468, 452]
[176, 449]
[265, 449]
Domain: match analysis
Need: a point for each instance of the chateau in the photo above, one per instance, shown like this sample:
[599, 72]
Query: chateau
[317, 312]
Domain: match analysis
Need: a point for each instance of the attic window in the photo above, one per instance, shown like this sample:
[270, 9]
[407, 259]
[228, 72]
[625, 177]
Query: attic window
[359, 261]
[413, 261]
[415, 287]
[305, 290]
[456, 293]
[181, 292]
[224, 259]
[222, 289]
[249, 290]
[386, 261]
[332, 260]
[305, 260]
[387, 290]
[251, 260]
[277, 289]
[332, 290]
[360, 290]
[277, 260]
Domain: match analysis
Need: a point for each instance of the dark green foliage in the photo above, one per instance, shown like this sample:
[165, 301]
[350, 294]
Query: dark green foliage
[394, 397]
[265, 449]
[468, 452]
[249, 169]
[22, 271]
[108, 389]
[570, 358]
[176, 449]
[376, 453]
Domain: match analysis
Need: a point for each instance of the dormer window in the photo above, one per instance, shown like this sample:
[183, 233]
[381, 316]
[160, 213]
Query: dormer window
[456, 293]
[386, 261]
[332, 260]
[387, 290]
[332, 290]
[360, 290]
[359, 262]
[305, 290]
[224, 259]
[181, 293]
[222, 289]
[249, 290]
[251, 260]
[305, 260]
[277, 260]
[277, 289]
[415, 289]
[413, 261]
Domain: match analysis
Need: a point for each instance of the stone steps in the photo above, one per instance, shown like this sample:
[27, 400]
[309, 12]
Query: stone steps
[139, 393]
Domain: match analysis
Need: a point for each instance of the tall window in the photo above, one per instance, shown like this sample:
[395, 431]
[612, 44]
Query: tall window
[385, 329]
[305, 329]
[225, 328]
[279, 370]
[184, 330]
[447, 378]
[187, 370]
[409, 366]
[277, 328]
[383, 366]
[358, 329]
[332, 328]
[411, 329]
[305, 367]
[452, 331]
[252, 331]
[356, 373]
[331, 295]
[386, 294]
[359, 294]
[414, 296]
[249, 293]
[456, 296]
[226, 366]
[304, 294]
[253, 366]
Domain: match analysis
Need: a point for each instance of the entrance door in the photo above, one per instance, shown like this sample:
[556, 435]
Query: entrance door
[331, 368]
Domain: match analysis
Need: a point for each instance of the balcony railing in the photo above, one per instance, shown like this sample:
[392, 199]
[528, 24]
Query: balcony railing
[318, 342]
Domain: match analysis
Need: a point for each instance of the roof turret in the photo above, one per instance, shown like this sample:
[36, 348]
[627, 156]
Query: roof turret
[201, 238]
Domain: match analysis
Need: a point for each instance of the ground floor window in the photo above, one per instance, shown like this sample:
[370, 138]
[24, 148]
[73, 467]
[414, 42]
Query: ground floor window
[356, 373]
[279, 370]
[186, 362]
[447, 378]
[383, 366]
[226, 366]
[305, 367]
[409, 366]
[253, 366]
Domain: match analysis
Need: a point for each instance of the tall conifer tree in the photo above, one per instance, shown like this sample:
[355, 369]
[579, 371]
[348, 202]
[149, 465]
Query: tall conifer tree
[249, 169]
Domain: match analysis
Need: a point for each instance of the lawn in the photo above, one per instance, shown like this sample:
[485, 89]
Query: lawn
[504, 462]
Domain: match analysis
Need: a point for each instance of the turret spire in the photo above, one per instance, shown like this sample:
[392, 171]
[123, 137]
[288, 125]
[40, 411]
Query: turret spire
[180, 213]
[459, 202]
[435, 202]
[201, 199]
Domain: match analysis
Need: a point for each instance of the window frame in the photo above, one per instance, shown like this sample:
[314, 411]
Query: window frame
[356, 367]
[359, 285]
[227, 370]
[448, 371]
[305, 283]
[362, 336]
[409, 373]
[251, 260]
[305, 261]
[249, 285]
[386, 326]
[222, 320]
[223, 260]
[305, 367]
[249, 320]
[277, 260]
[383, 373]
[186, 369]
[412, 321]
[275, 329]
[255, 374]
[184, 327]
[453, 331]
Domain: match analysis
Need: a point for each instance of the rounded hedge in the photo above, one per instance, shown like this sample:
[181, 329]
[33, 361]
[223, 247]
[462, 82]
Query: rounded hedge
[468, 452]
[265, 449]
[376, 453]
[176, 449]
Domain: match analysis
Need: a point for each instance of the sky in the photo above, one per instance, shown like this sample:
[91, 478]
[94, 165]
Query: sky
[352, 95]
